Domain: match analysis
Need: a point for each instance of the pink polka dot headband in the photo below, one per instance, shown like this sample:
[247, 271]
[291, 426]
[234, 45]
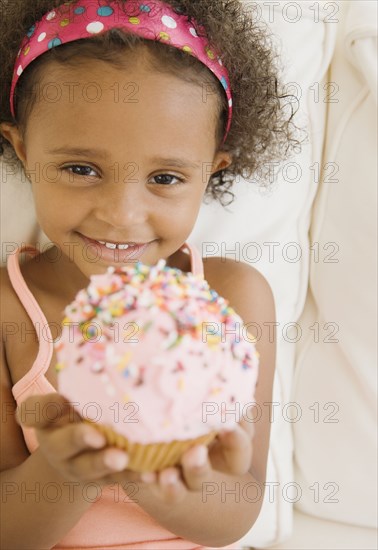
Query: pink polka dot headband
[150, 19]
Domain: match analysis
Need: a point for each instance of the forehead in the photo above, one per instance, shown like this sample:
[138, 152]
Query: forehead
[100, 100]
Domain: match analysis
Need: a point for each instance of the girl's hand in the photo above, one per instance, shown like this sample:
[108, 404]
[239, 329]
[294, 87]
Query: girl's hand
[74, 448]
[231, 453]
[80, 453]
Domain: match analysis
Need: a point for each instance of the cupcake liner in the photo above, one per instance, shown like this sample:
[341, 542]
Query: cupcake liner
[151, 457]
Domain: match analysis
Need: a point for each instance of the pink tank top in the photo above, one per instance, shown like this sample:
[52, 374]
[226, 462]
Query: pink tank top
[114, 518]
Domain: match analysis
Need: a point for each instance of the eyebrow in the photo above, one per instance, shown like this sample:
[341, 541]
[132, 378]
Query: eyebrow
[103, 154]
[78, 151]
[179, 163]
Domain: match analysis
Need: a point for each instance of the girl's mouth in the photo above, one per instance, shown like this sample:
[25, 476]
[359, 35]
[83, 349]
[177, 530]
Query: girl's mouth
[114, 252]
[120, 246]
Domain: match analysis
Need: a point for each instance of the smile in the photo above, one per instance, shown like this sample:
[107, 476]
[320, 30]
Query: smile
[113, 246]
[117, 252]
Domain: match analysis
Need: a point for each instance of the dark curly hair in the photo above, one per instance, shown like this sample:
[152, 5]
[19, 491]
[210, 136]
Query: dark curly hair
[262, 130]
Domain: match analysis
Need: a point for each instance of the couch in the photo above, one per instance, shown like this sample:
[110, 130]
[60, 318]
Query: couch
[313, 236]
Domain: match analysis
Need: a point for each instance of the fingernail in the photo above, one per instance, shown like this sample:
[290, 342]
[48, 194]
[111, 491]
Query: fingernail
[196, 457]
[199, 457]
[224, 433]
[169, 477]
[94, 439]
[148, 477]
[116, 460]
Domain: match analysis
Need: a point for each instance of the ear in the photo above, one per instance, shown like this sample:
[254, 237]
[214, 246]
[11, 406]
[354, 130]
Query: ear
[12, 134]
[222, 160]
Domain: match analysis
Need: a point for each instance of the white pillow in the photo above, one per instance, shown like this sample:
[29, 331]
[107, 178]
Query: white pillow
[311, 533]
[18, 223]
[337, 454]
[255, 222]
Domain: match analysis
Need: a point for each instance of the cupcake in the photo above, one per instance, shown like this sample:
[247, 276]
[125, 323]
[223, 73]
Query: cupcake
[156, 360]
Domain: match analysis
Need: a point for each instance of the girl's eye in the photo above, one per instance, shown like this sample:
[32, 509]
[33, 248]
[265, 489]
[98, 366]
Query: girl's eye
[78, 170]
[166, 179]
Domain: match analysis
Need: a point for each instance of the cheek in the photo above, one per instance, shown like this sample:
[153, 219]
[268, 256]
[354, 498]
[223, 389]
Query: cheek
[55, 207]
[181, 214]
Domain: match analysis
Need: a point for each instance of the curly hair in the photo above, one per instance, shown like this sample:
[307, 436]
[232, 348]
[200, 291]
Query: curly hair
[262, 130]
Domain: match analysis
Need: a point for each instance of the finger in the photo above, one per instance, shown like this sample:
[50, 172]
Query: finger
[127, 479]
[96, 465]
[70, 440]
[170, 487]
[247, 421]
[237, 450]
[165, 485]
[44, 411]
[148, 477]
[196, 467]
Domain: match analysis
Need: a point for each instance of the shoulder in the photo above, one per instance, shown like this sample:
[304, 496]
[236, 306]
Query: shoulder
[17, 330]
[13, 450]
[228, 270]
[7, 294]
[246, 289]
[250, 295]
[10, 303]
[10, 309]
[10, 299]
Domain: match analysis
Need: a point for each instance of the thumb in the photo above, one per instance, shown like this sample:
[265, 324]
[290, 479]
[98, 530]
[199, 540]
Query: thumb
[44, 411]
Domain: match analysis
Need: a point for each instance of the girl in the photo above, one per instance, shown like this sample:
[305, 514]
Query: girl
[125, 115]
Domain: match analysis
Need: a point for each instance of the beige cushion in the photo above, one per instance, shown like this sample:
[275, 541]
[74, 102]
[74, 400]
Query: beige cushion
[339, 451]
[310, 533]
[257, 222]
[18, 222]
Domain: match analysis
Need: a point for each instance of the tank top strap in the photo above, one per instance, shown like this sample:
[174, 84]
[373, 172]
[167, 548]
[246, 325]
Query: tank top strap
[195, 259]
[35, 313]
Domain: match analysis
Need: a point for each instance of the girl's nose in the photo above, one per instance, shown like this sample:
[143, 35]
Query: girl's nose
[122, 204]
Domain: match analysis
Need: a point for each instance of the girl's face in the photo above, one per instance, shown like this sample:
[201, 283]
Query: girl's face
[121, 157]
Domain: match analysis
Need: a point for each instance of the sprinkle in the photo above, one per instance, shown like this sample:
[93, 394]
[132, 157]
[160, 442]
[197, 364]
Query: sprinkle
[180, 367]
[110, 390]
[147, 326]
[97, 367]
[171, 340]
[124, 361]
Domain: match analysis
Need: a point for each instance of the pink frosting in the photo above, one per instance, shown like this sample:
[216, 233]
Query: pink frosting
[155, 354]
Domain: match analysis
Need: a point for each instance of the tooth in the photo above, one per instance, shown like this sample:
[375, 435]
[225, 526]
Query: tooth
[101, 242]
[111, 245]
[123, 246]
